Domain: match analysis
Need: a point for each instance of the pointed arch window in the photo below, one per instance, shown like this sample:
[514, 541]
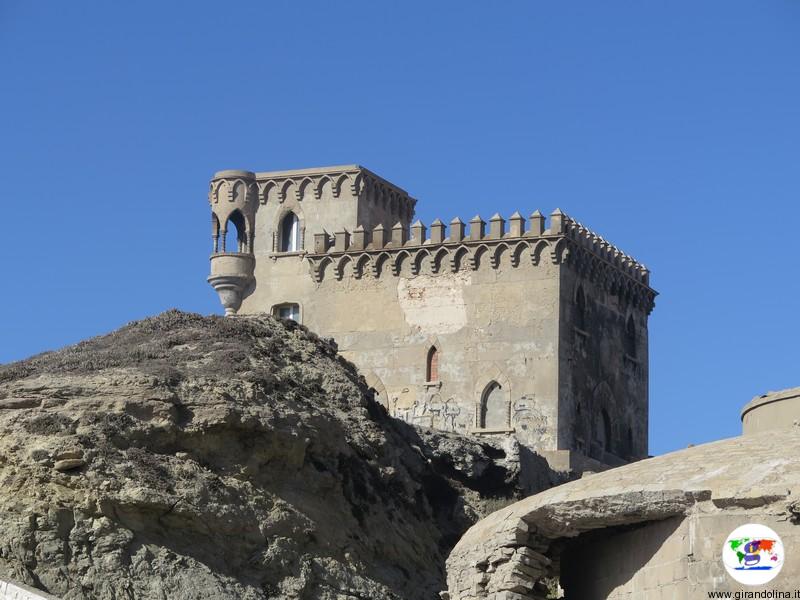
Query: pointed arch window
[290, 233]
[603, 431]
[629, 442]
[580, 309]
[493, 408]
[432, 365]
[630, 337]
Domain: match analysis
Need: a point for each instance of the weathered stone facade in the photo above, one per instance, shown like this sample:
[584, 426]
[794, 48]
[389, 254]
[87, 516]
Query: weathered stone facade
[496, 329]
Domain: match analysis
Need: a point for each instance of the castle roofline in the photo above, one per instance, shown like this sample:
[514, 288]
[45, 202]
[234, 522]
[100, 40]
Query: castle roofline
[311, 171]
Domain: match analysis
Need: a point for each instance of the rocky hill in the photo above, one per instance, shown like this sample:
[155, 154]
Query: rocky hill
[200, 457]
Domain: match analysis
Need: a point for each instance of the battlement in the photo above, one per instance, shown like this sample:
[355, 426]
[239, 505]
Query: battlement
[564, 240]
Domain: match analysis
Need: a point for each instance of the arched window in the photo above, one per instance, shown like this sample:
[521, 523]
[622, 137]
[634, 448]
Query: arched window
[290, 233]
[630, 337]
[235, 239]
[580, 309]
[629, 442]
[494, 408]
[432, 366]
[606, 431]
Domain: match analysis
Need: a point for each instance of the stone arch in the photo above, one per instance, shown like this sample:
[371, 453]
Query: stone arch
[216, 189]
[537, 249]
[493, 400]
[235, 239]
[560, 252]
[377, 388]
[239, 191]
[305, 184]
[401, 259]
[343, 264]
[477, 256]
[493, 408]
[516, 254]
[361, 266]
[419, 257]
[357, 185]
[320, 268]
[287, 190]
[264, 191]
[325, 183]
[438, 258]
[497, 256]
[340, 182]
[378, 263]
[458, 258]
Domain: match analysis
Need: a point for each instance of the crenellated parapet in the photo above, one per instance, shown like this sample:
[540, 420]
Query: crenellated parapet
[563, 240]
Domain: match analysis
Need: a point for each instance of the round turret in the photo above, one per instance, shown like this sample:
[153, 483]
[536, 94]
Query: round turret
[773, 410]
[233, 196]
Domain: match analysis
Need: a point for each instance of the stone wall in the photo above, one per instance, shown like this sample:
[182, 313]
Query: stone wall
[487, 325]
[605, 381]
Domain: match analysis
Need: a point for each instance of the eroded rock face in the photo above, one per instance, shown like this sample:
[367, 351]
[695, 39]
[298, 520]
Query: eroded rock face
[200, 457]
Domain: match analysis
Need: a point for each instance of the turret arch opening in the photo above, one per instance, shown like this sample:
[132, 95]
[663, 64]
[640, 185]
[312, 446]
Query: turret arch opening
[235, 233]
[215, 232]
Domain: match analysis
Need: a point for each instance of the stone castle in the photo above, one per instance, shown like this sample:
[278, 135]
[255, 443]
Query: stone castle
[512, 327]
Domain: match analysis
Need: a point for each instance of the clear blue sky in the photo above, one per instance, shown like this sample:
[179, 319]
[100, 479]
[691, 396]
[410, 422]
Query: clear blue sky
[671, 128]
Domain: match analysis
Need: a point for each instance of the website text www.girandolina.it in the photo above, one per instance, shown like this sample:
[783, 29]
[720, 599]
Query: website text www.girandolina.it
[745, 595]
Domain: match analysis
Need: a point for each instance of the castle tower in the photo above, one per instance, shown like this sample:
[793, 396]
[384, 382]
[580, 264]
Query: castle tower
[512, 328]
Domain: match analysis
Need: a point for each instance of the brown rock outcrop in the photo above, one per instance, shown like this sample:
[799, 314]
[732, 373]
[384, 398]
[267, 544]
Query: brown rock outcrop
[199, 457]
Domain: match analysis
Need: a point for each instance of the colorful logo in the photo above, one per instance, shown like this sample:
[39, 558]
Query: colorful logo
[753, 554]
